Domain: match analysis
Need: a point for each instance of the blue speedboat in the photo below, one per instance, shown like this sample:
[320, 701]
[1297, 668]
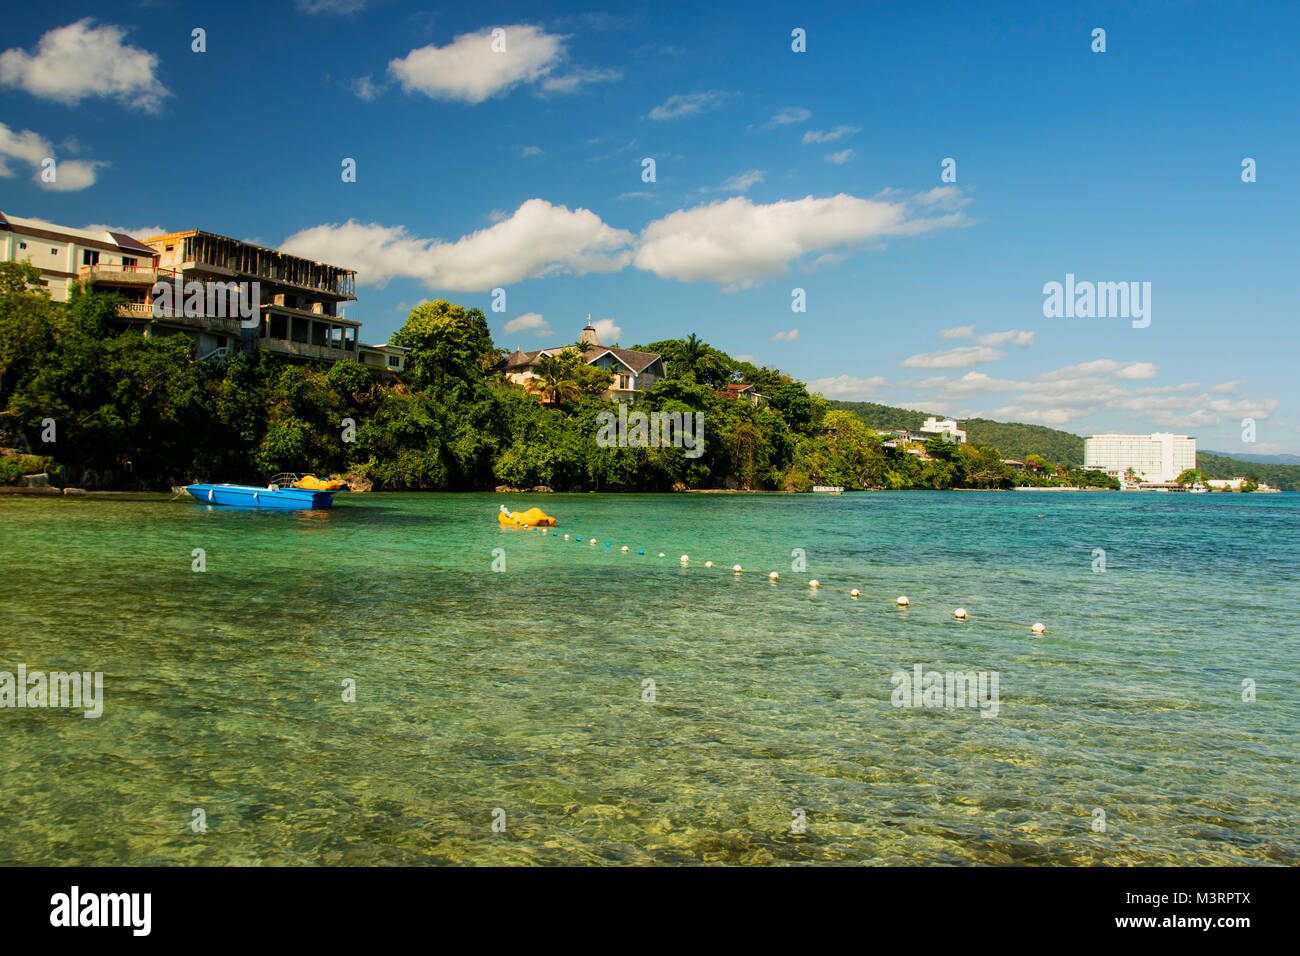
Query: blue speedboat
[286, 492]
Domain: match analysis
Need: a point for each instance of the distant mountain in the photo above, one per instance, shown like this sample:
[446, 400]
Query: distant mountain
[1262, 459]
[1016, 440]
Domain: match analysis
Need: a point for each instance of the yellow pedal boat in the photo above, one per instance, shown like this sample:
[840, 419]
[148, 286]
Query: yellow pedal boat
[532, 518]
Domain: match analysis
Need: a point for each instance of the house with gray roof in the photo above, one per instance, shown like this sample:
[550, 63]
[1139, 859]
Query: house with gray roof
[633, 371]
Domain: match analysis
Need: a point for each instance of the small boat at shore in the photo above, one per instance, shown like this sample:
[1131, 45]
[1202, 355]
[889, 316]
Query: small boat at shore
[285, 492]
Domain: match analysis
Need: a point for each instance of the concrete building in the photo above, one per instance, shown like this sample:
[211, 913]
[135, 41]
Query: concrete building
[945, 428]
[300, 301]
[64, 254]
[633, 371]
[1156, 458]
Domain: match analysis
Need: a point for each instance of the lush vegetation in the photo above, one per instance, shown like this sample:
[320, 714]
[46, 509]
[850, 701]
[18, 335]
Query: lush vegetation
[146, 413]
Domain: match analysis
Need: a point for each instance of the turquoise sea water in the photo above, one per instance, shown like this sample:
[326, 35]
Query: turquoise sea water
[521, 691]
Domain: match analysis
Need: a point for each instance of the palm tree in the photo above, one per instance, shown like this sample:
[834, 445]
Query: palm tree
[554, 382]
[692, 351]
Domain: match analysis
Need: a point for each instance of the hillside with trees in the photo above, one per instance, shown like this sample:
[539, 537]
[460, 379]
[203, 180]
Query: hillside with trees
[1019, 441]
[1285, 477]
[1012, 439]
[141, 412]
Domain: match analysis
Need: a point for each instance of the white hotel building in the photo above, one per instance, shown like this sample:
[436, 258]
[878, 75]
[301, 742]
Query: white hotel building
[1159, 457]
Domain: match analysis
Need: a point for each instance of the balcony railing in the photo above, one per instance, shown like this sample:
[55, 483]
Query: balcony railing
[305, 349]
[134, 273]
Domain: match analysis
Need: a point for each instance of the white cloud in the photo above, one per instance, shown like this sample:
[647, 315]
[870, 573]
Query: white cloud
[529, 322]
[735, 242]
[334, 7]
[788, 115]
[847, 387]
[607, 331]
[1038, 416]
[1137, 370]
[365, 88]
[972, 383]
[828, 136]
[840, 158]
[531, 151]
[73, 174]
[1019, 338]
[738, 242]
[786, 336]
[1083, 370]
[689, 104]
[574, 79]
[33, 149]
[470, 71]
[141, 233]
[964, 356]
[1103, 390]
[538, 239]
[742, 181]
[81, 60]
[942, 197]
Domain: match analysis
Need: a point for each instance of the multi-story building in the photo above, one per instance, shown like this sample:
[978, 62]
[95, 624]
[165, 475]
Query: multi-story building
[633, 371]
[299, 301]
[64, 255]
[1158, 458]
[945, 428]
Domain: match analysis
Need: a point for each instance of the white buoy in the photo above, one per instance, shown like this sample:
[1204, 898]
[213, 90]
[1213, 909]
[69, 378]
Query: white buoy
[774, 576]
[684, 558]
[960, 614]
[661, 554]
[814, 583]
[566, 537]
[902, 601]
[624, 548]
[855, 593]
[1038, 628]
[735, 568]
[591, 541]
[708, 564]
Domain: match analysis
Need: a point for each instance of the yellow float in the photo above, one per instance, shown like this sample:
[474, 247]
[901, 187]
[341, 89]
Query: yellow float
[312, 483]
[532, 518]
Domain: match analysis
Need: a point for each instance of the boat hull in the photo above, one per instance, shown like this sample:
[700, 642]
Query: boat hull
[251, 496]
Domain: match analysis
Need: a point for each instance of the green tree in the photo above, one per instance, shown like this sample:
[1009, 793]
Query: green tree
[449, 345]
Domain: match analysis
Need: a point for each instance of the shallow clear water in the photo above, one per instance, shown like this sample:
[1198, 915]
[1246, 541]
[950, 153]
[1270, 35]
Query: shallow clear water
[522, 690]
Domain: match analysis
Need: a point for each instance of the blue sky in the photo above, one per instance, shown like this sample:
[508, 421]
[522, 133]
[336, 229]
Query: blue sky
[775, 170]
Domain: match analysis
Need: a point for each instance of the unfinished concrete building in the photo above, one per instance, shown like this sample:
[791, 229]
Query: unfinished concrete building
[299, 300]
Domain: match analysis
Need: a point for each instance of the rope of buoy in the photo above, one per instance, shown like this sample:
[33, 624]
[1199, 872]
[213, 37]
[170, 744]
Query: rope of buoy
[902, 602]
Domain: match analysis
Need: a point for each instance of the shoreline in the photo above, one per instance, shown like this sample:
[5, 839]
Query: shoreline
[57, 493]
